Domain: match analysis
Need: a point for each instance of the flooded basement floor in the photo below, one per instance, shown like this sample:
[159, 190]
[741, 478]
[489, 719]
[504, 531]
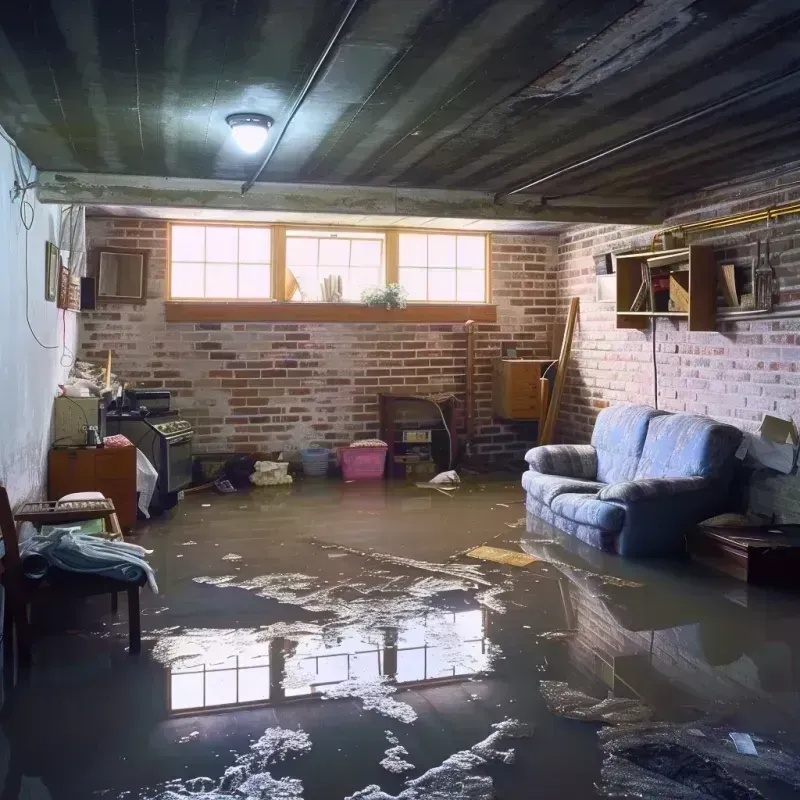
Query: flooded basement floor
[328, 641]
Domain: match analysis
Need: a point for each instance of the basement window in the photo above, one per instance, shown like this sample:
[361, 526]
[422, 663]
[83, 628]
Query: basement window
[357, 257]
[443, 268]
[220, 262]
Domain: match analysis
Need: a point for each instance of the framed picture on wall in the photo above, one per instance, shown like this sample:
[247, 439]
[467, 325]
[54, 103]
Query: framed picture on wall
[52, 264]
[121, 275]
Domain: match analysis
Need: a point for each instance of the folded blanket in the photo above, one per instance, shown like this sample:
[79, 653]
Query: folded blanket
[76, 552]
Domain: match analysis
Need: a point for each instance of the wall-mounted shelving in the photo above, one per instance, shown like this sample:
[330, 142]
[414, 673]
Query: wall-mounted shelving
[698, 279]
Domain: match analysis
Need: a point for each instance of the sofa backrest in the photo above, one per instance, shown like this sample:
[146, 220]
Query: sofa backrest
[685, 445]
[619, 435]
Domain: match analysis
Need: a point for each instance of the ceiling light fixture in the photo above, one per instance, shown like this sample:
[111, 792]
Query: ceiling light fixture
[249, 131]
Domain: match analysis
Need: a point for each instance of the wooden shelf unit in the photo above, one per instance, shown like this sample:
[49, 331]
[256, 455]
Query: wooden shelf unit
[702, 314]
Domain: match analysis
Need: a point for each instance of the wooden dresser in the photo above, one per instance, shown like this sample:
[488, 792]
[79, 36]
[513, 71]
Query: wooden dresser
[110, 470]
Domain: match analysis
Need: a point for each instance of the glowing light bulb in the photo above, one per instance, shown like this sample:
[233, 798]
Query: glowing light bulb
[249, 131]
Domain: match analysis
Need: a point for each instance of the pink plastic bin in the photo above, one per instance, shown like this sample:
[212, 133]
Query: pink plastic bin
[362, 463]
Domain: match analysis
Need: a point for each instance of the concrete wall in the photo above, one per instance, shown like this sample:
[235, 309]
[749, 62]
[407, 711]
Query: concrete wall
[29, 372]
[734, 374]
[269, 386]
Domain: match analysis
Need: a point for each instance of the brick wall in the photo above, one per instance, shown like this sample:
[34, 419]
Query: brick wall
[270, 386]
[735, 374]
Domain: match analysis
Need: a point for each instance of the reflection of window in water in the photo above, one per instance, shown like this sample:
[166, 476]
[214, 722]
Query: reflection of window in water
[443, 646]
[440, 645]
[233, 681]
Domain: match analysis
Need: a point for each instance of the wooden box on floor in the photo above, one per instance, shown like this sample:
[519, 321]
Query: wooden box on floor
[515, 387]
[110, 470]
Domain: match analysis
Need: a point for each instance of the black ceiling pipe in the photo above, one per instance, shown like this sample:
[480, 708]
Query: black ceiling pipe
[302, 96]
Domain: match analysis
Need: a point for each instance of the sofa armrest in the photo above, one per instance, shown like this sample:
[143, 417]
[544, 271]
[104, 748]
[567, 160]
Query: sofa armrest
[633, 491]
[568, 460]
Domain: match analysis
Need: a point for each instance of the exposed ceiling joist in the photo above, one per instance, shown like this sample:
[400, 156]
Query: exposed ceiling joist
[133, 190]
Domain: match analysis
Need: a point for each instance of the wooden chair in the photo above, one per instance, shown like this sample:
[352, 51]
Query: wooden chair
[20, 591]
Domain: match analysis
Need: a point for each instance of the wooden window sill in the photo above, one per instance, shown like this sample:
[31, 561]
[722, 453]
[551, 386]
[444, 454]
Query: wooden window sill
[243, 311]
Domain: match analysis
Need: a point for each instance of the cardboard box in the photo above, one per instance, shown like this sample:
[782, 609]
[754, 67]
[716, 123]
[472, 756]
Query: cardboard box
[775, 444]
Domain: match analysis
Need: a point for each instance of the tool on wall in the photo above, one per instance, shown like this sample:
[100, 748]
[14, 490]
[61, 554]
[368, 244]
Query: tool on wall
[469, 327]
[546, 433]
[764, 279]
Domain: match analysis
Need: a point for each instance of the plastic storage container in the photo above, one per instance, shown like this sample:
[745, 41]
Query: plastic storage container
[315, 461]
[362, 463]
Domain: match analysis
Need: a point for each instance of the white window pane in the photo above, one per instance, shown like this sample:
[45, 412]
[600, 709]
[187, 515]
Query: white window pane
[471, 252]
[222, 244]
[360, 278]
[187, 279]
[221, 688]
[254, 280]
[413, 250]
[254, 245]
[415, 282]
[221, 280]
[331, 668]
[308, 282]
[471, 285]
[334, 252]
[469, 624]
[410, 665]
[301, 251]
[441, 285]
[186, 691]
[253, 684]
[366, 253]
[439, 663]
[188, 242]
[366, 666]
[441, 251]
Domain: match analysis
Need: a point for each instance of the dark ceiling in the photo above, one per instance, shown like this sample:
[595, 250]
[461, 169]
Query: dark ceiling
[477, 94]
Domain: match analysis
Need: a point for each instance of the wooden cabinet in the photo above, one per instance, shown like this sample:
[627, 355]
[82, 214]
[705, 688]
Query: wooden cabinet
[110, 470]
[515, 387]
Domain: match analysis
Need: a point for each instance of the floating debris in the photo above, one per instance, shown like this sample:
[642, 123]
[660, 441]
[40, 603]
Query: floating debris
[455, 778]
[188, 737]
[375, 694]
[190, 543]
[566, 634]
[520, 523]
[232, 557]
[567, 702]
[464, 571]
[248, 778]
[488, 598]
[394, 761]
[501, 556]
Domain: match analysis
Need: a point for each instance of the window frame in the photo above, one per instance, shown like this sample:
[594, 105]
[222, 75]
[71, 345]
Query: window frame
[278, 308]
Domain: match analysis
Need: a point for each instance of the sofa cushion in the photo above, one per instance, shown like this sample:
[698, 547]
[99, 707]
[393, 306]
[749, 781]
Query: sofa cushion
[619, 437]
[545, 487]
[596, 537]
[685, 445]
[588, 510]
[570, 460]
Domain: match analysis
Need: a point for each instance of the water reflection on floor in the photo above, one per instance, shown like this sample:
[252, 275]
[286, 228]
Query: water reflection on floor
[299, 668]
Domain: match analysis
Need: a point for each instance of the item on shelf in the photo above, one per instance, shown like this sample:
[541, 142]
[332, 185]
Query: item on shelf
[369, 443]
[331, 289]
[679, 291]
[391, 296]
[727, 274]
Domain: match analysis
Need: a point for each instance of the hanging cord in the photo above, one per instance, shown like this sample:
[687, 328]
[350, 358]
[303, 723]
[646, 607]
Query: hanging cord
[655, 367]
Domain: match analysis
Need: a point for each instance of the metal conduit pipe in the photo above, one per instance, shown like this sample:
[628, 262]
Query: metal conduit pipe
[745, 316]
[302, 96]
[720, 104]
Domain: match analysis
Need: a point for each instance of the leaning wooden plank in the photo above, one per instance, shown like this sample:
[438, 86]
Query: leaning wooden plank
[546, 434]
[640, 299]
[669, 259]
[728, 282]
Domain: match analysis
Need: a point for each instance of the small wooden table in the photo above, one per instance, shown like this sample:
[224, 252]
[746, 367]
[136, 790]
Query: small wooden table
[766, 555]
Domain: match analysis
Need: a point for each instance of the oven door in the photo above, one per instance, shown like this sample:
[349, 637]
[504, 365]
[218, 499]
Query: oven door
[176, 463]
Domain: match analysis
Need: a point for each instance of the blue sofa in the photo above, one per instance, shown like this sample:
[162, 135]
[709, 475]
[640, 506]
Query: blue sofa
[645, 478]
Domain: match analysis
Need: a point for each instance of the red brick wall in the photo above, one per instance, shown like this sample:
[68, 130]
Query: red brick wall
[272, 386]
[734, 374]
